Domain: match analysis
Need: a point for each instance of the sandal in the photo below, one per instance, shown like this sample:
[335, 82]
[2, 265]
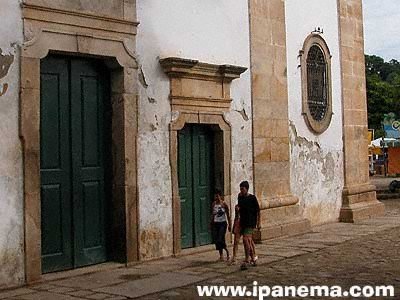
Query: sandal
[254, 262]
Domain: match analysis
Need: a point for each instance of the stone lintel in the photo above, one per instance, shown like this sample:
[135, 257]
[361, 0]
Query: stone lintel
[78, 18]
[199, 87]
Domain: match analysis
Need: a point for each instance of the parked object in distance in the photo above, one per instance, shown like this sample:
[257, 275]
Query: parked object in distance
[394, 185]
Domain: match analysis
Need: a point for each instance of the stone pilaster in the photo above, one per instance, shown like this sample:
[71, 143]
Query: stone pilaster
[359, 196]
[281, 213]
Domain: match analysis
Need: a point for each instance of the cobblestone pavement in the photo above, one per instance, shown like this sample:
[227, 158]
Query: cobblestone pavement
[382, 182]
[366, 253]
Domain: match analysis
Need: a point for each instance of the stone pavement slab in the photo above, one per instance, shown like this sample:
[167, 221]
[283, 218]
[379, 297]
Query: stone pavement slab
[161, 282]
[44, 296]
[15, 293]
[92, 281]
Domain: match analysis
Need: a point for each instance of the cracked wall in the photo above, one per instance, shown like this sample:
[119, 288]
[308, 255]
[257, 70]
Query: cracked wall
[209, 32]
[316, 160]
[11, 198]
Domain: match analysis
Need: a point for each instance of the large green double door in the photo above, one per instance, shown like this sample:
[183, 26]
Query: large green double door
[195, 173]
[73, 149]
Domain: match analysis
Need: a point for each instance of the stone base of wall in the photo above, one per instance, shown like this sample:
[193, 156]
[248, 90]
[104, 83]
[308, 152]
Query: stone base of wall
[283, 221]
[360, 203]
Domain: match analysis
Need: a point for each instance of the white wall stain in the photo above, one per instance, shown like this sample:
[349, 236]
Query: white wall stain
[11, 197]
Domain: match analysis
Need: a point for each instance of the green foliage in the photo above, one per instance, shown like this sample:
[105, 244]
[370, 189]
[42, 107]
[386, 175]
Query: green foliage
[383, 90]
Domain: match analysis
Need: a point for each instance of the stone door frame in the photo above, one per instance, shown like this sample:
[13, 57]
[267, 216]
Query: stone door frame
[178, 124]
[200, 93]
[80, 34]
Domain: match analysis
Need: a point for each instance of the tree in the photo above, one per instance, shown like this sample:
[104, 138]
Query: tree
[383, 90]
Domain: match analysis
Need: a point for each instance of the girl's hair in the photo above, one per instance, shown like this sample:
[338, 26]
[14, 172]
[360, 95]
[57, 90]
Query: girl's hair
[218, 192]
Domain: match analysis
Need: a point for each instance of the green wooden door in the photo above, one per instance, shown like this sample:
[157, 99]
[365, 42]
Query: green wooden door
[195, 173]
[73, 147]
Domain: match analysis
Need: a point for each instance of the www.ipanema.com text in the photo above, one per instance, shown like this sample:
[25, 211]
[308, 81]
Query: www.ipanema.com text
[267, 292]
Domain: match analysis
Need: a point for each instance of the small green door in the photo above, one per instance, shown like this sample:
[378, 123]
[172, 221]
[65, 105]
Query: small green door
[195, 172]
[73, 147]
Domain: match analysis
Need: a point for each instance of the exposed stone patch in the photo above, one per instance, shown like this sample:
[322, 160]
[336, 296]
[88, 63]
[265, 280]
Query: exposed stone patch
[155, 243]
[6, 60]
[142, 79]
[10, 259]
[3, 89]
[299, 140]
[328, 167]
[243, 114]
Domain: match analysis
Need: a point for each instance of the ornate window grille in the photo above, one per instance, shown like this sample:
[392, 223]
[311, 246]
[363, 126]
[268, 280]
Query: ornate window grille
[316, 83]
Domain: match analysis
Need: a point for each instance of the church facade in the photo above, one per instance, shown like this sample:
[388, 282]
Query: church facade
[120, 118]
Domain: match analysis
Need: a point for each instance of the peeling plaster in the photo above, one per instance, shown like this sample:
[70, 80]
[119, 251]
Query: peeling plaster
[6, 60]
[3, 89]
[155, 195]
[243, 114]
[142, 78]
[316, 178]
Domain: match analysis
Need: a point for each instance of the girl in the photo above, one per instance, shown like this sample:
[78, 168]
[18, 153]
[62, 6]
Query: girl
[236, 234]
[220, 221]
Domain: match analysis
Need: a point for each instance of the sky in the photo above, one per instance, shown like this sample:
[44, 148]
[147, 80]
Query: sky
[382, 28]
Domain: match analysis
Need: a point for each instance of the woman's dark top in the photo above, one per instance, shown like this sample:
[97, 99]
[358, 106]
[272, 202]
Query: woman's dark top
[249, 210]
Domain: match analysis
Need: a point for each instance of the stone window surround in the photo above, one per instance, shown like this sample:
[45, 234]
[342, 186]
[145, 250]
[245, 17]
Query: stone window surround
[192, 106]
[317, 127]
[84, 35]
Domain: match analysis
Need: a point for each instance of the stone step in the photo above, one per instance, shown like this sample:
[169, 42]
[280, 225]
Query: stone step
[387, 195]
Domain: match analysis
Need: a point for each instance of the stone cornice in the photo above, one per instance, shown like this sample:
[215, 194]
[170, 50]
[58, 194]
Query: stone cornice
[181, 67]
[79, 19]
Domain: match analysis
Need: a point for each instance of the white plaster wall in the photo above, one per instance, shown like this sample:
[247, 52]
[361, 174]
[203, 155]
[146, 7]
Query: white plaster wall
[11, 205]
[209, 31]
[316, 160]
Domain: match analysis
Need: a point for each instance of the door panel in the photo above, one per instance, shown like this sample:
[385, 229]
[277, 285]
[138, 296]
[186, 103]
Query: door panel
[202, 183]
[87, 89]
[185, 187]
[195, 182]
[55, 169]
[72, 163]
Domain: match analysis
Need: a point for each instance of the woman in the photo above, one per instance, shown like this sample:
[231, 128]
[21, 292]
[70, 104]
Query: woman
[220, 221]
